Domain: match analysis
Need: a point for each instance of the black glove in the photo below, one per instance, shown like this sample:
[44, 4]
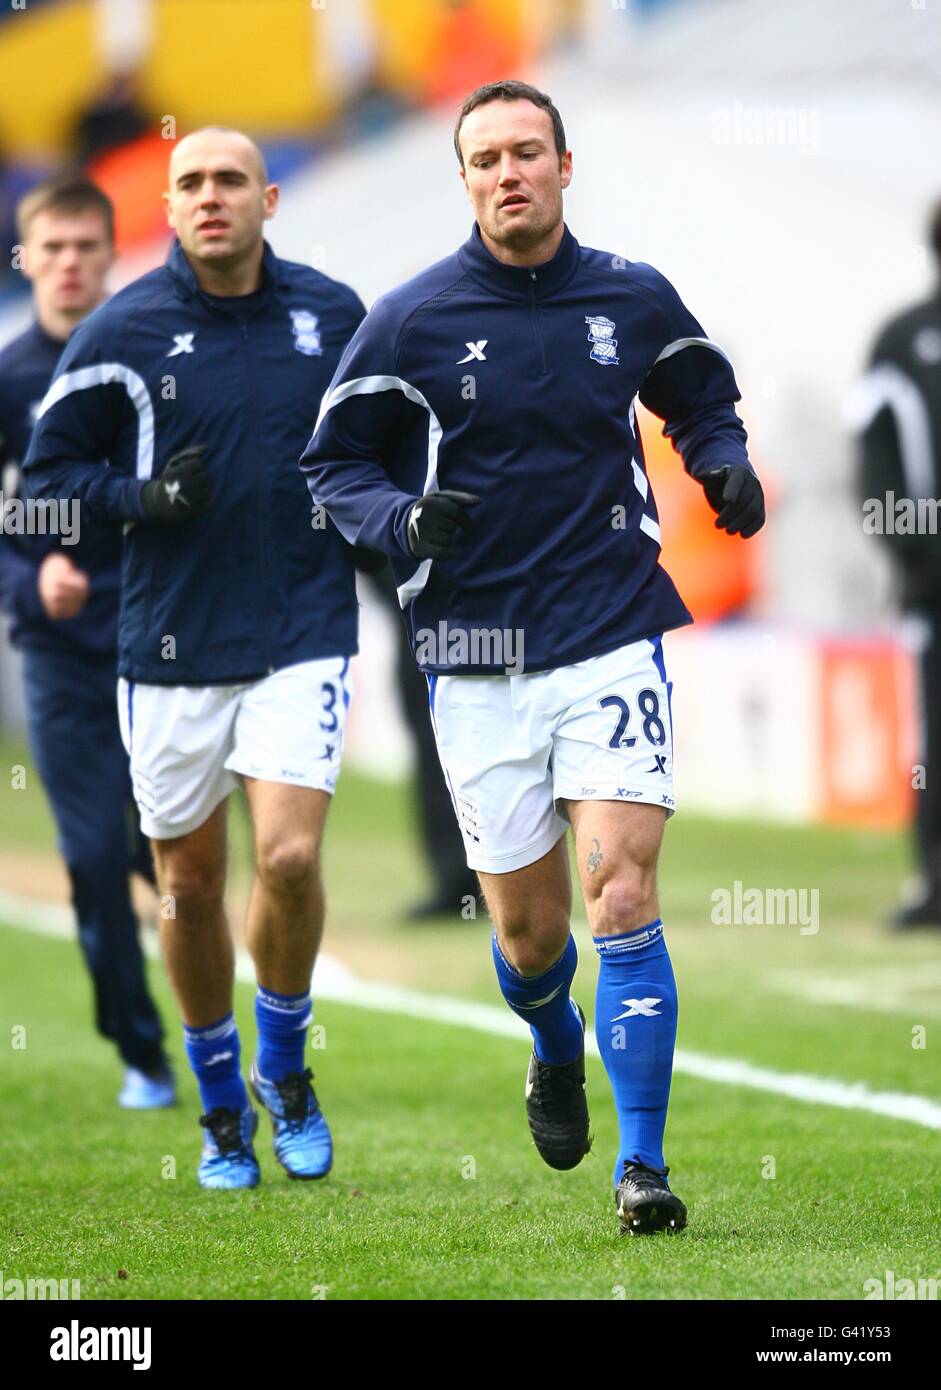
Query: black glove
[182, 490]
[735, 493]
[433, 521]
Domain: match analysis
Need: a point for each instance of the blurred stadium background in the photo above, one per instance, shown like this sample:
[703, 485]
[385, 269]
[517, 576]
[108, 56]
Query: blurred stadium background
[777, 162]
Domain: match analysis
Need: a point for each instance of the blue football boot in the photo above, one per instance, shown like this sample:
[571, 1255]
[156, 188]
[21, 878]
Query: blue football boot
[302, 1142]
[147, 1090]
[228, 1159]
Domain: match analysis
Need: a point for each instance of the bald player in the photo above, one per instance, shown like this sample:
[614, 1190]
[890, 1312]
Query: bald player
[178, 412]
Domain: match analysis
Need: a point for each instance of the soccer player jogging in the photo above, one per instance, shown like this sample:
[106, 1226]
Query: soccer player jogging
[59, 585]
[480, 431]
[238, 613]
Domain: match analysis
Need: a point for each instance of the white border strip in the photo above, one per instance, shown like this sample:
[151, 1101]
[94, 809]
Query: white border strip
[333, 980]
[887, 385]
[104, 374]
[371, 386]
[681, 344]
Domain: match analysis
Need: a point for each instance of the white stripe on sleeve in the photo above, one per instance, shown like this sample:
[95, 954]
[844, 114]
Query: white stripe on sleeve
[368, 386]
[103, 374]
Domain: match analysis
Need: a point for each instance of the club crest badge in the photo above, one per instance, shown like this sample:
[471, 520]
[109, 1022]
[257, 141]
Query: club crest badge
[604, 345]
[306, 333]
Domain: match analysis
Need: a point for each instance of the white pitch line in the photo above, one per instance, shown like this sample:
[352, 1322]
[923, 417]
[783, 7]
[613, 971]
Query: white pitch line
[334, 980]
[877, 990]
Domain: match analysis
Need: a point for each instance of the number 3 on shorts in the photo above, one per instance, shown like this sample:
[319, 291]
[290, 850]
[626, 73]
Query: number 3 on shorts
[329, 693]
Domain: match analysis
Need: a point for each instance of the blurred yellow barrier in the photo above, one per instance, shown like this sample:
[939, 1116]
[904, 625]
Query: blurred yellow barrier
[262, 64]
[275, 67]
[48, 71]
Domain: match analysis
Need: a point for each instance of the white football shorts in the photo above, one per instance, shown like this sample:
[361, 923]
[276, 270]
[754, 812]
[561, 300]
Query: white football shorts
[514, 747]
[188, 744]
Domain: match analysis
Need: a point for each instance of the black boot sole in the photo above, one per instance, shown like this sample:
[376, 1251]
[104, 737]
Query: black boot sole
[651, 1214]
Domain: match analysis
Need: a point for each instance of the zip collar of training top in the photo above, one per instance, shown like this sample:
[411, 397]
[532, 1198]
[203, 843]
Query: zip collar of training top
[519, 281]
[273, 271]
[38, 337]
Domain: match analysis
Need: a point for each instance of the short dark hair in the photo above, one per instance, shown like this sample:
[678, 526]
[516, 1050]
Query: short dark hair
[67, 193]
[510, 90]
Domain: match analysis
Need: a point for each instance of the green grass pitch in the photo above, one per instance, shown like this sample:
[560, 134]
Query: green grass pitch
[437, 1191]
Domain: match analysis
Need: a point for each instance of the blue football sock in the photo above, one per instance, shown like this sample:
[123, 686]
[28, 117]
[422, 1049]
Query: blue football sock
[544, 1002]
[635, 1023]
[283, 1020]
[214, 1053]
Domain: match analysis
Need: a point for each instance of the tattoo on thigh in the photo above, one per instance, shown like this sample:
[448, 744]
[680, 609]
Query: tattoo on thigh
[594, 857]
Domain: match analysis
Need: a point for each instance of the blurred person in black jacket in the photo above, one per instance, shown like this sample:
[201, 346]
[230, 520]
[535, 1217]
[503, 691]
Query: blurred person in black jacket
[113, 117]
[896, 408]
[60, 589]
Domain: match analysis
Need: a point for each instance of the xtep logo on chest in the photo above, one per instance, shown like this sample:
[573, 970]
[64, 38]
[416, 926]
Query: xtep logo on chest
[475, 352]
[182, 342]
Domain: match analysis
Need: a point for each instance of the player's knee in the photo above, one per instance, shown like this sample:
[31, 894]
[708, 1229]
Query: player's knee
[193, 885]
[289, 863]
[623, 901]
[529, 942]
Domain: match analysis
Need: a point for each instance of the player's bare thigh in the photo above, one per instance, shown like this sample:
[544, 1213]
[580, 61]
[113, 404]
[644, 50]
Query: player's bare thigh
[617, 845]
[191, 868]
[288, 822]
